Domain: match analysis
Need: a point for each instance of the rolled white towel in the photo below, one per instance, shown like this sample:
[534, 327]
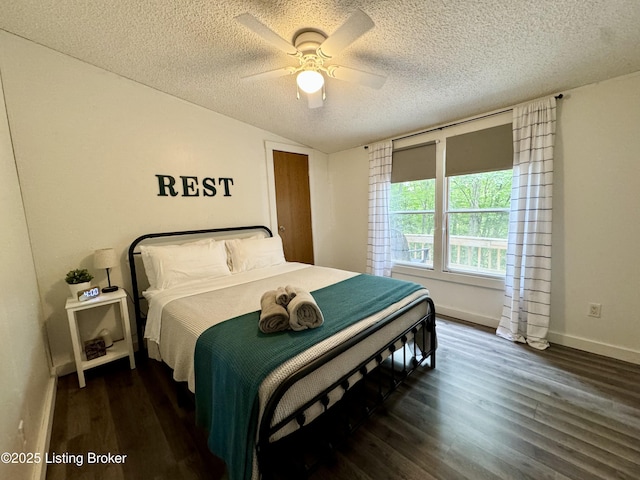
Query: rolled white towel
[273, 317]
[291, 291]
[304, 311]
[282, 296]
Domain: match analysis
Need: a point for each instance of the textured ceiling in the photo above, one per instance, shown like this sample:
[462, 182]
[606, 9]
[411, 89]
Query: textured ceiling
[444, 59]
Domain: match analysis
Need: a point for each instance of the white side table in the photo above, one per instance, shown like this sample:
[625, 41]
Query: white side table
[120, 349]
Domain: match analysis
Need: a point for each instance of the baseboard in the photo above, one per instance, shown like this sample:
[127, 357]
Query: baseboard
[467, 316]
[599, 348]
[44, 436]
[66, 368]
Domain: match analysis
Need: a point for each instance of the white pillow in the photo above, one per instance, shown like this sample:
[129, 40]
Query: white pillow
[237, 240]
[169, 265]
[151, 256]
[251, 253]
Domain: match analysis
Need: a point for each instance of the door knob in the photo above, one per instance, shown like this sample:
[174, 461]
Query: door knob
[281, 228]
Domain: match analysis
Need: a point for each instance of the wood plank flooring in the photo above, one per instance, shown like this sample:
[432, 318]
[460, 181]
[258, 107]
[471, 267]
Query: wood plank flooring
[490, 410]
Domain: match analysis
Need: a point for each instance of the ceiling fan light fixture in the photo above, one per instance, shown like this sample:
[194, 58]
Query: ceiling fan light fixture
[310, 81]
[312, 47]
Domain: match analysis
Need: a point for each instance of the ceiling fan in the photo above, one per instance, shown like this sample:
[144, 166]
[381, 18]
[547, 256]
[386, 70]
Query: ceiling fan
[313, 49]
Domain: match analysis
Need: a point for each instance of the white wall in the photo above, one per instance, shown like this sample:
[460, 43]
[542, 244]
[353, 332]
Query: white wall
[596, 227]
[347, 193]
[27, 389]
[88, 145]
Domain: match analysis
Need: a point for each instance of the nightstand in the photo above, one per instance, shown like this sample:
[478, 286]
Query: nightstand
[120, 349]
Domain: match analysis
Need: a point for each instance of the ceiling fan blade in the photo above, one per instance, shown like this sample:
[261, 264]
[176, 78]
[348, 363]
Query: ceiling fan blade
[260, 29]
[280, 72]
[356, 25]
[316, 99]
[347, 74]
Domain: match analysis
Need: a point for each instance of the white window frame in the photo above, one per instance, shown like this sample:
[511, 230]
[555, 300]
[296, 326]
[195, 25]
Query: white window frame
[439, 270]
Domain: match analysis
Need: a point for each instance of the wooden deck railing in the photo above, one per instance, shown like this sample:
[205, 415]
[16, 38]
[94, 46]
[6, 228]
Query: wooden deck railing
[484, 255]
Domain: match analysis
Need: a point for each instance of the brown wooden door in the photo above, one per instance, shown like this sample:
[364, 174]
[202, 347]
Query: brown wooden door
[293, 203]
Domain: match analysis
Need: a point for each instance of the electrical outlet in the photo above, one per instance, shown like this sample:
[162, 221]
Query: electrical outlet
[595, 310]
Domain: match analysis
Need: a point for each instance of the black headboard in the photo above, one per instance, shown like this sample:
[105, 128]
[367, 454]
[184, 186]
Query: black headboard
[137, 294]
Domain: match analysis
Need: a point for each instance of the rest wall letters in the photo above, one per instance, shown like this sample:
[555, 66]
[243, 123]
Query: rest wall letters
[189, 186]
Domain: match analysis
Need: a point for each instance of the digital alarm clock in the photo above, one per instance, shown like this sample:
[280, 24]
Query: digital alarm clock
[88, 293]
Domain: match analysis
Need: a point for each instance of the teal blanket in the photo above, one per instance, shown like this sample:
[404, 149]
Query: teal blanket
[233, 358]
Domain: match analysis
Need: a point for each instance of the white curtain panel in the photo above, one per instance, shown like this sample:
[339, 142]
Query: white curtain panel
[525, 315]
[379, 242]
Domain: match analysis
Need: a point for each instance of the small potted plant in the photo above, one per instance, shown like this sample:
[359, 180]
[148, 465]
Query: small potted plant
[78, 279]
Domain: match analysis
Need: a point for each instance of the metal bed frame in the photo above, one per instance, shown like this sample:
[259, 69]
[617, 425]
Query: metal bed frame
[382, 371]
[141, 318]
[276, 459]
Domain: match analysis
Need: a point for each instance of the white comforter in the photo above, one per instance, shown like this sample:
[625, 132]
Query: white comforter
[175, 321]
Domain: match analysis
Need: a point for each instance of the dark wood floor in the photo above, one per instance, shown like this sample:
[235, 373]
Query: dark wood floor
[491, 409]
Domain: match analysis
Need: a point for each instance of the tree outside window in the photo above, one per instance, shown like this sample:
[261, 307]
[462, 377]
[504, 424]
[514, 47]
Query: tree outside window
[478, 222]
[412, 207]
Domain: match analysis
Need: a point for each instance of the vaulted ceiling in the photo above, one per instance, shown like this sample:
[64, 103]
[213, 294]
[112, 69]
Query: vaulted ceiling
[443, 59]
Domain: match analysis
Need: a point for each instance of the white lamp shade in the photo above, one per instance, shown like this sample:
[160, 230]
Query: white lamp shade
[310, 81]
[105, 258]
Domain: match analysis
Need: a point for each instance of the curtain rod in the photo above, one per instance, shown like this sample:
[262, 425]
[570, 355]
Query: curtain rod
[557, 97]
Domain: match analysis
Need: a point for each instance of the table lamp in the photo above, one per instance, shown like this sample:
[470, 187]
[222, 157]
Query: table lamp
[106, 258]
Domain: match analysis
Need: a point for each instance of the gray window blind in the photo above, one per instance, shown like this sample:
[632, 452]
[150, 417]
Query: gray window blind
[417, 162]
[485, 150]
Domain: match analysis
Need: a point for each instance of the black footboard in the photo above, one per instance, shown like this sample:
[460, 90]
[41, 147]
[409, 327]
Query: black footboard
[361, 390]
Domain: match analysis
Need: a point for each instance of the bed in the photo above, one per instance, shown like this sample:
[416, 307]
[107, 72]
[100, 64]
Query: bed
[197, 305]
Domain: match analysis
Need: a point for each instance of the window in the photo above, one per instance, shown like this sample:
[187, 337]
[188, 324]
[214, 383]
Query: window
[478, 170]
[478, 222]
[475, 191]
[412, 204]
[413, 221]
